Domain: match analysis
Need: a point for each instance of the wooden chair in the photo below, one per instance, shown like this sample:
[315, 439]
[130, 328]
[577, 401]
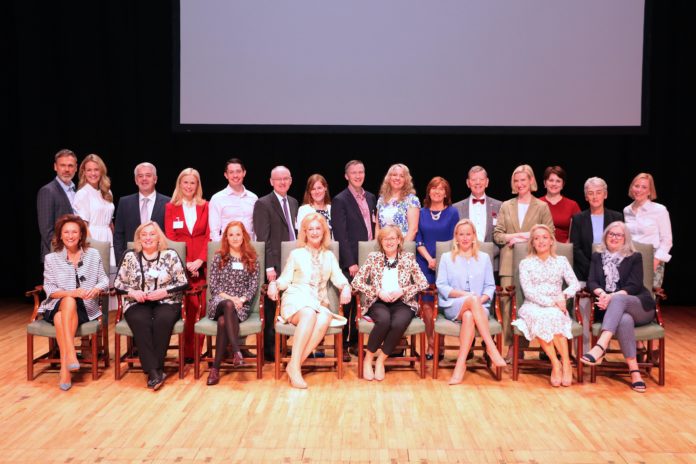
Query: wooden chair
[122, 329]
[415, 328]
[252, 326]
[649, 333]
[284, 330]
[517, 295]
[97, 330]
[445, 327]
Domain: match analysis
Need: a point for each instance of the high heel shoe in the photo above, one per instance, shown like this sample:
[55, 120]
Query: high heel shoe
[368, 373]
[497, 361]
[72, 367]
[590, 360]
[65, 386]
[213, 376]
[296, 380]
[237, 359]
[638, 386]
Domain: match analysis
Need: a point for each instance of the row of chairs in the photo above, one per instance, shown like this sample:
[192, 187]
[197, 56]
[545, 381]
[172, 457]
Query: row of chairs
[97, 330]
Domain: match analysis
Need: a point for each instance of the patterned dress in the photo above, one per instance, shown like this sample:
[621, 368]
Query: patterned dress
[234, 280]
[542, 284]
[394, 212]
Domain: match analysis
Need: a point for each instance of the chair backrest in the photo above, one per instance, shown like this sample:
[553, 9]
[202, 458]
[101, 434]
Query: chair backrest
[104, 249]
[365, 248]
[648, 252]
[520, 252]
[260, 248]
[179, 247]
[331, 291]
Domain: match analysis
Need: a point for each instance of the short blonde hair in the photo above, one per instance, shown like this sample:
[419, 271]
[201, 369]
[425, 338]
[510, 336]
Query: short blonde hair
[326, 234]
[161, 238]
[455, 245]
[652, 193]
[385, 190]
[527, 169]
[178, 195]
[531, 251]
[384, 231]
[628, 247]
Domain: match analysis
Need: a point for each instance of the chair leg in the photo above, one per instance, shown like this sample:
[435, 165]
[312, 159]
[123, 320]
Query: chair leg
[436, 353]
[361, 354]
[499, 343]
[259, 355]
[578, 350]
[593, 369]
[661, 380]
[515, 359]
[117, 356]
[413, 350]
[196, 356]
[105, 345]
[422, 355]
[277, 355]
[95, 356]
[338, 341]
[181, 355]
[30, 357]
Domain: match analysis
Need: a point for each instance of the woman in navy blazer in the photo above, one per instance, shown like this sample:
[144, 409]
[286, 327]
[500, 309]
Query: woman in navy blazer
[73, 279]
[623, 302]
[186, 220]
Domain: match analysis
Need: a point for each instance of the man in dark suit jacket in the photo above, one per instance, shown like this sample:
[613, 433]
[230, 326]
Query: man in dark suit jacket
[477, 181]
[351, 223]
[55, 198]
[273, 225]
[132, 210]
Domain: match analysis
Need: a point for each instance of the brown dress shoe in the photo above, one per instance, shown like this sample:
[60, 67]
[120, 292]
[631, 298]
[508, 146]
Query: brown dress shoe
[237, 359]
[213, 376]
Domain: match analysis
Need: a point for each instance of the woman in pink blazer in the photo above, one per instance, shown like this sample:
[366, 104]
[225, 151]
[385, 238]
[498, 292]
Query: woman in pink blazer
[186, 220]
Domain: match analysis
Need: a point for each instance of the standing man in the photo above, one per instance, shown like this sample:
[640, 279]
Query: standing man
[480, 209]
[56, 198]
[351, 221]
[274, 218]
[138, 208]
[233, 203]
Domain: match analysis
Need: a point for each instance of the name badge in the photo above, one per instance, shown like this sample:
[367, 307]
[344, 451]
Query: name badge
[237, 266]
[495, 221]
[154, 273]
[178, 224]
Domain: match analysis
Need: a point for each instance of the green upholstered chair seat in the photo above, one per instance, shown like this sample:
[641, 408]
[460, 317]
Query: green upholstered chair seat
[652, 331]
[444, 326]
[249, 327]
[122, 328]
[44, 329]
[415, 327]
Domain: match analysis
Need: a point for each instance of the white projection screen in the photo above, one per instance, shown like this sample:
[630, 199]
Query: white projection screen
[409, 63]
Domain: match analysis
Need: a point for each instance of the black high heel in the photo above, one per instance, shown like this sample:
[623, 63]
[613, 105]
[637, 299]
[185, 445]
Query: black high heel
[639, 386]
[590, 360]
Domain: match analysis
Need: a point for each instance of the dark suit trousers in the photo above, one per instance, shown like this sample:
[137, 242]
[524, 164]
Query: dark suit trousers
[269, 310]
[152, 324]
[391, 321]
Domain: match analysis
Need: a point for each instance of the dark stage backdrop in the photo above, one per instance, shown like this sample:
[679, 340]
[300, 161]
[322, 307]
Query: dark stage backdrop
[95, 77]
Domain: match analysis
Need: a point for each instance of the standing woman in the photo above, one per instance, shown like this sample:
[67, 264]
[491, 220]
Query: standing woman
[73, 278]
[544, 314]
[436, 224]
[562, 208]
[398, 204]
[152, 278]
[186, 220]
[234, 278]
[316, 200]
[515, 219]
[466, 287]
[390, 280]
[649, 222]
[94, 203]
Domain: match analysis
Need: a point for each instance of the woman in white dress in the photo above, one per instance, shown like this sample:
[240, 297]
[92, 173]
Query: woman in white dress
[94, 203]
[544, 314]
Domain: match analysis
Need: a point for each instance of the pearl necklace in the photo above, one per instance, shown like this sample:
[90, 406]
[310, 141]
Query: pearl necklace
[436, 214]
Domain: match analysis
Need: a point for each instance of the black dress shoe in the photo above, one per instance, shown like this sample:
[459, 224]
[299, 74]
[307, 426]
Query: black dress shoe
[353, 350]
[346, 355]
[188, 360]
[155, 379]
[247, 354]
[269, 357]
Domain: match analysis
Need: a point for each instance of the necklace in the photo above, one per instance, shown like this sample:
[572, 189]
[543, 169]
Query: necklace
[436, 214]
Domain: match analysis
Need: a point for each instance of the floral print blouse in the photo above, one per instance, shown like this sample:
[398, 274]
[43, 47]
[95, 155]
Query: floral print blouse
[139, 273]
[235, 280]
[394, 212]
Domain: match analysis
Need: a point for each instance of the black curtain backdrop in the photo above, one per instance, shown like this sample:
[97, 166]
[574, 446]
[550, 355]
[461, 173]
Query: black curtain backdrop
[96, 77]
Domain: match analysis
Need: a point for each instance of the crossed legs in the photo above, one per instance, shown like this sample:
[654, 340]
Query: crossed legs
[65, 322]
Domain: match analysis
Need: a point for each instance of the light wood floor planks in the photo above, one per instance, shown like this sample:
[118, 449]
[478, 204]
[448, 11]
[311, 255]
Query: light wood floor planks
[403, 419]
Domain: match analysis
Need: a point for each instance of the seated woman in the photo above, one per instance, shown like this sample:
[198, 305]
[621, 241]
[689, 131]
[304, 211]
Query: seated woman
[305, 302]
[616, 278]
[466, 287]
[390, 280]
[234, 279]
[74, 277]
[153, 279]
[544, 314]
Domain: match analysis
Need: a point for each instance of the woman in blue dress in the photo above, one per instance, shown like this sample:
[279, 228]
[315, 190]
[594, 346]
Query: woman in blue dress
[436, 224]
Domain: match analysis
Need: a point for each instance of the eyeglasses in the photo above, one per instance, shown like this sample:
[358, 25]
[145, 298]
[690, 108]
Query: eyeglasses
[282, 179]
[615, 235]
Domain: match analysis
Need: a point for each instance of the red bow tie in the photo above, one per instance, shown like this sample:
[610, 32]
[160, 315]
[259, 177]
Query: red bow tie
[478, 200]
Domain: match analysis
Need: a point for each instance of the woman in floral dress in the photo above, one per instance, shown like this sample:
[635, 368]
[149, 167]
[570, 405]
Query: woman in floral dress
[398, 204]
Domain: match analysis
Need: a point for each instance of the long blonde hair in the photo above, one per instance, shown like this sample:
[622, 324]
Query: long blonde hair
[178, 196]
[104, 185]
[385, 190]
[455, 246]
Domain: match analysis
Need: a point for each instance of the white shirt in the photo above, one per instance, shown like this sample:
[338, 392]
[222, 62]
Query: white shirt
[190, 215]
[522, 211]
[150, 204]
[390, 279]
[227, 206]
[69, 191]
[477, 215]
[650, 224]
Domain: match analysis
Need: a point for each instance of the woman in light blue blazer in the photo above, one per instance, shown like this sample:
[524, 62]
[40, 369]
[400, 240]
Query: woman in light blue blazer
[466, 286]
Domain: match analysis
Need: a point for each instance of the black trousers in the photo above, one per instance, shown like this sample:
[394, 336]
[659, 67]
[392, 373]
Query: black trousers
[391, 321]
[350, 330]
[269, 309]
[152, 324]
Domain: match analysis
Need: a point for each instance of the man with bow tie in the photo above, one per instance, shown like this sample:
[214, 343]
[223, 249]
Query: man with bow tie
[56, 198]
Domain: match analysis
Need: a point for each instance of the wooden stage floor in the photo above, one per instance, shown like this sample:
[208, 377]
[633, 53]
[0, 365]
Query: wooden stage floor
[403, 419]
